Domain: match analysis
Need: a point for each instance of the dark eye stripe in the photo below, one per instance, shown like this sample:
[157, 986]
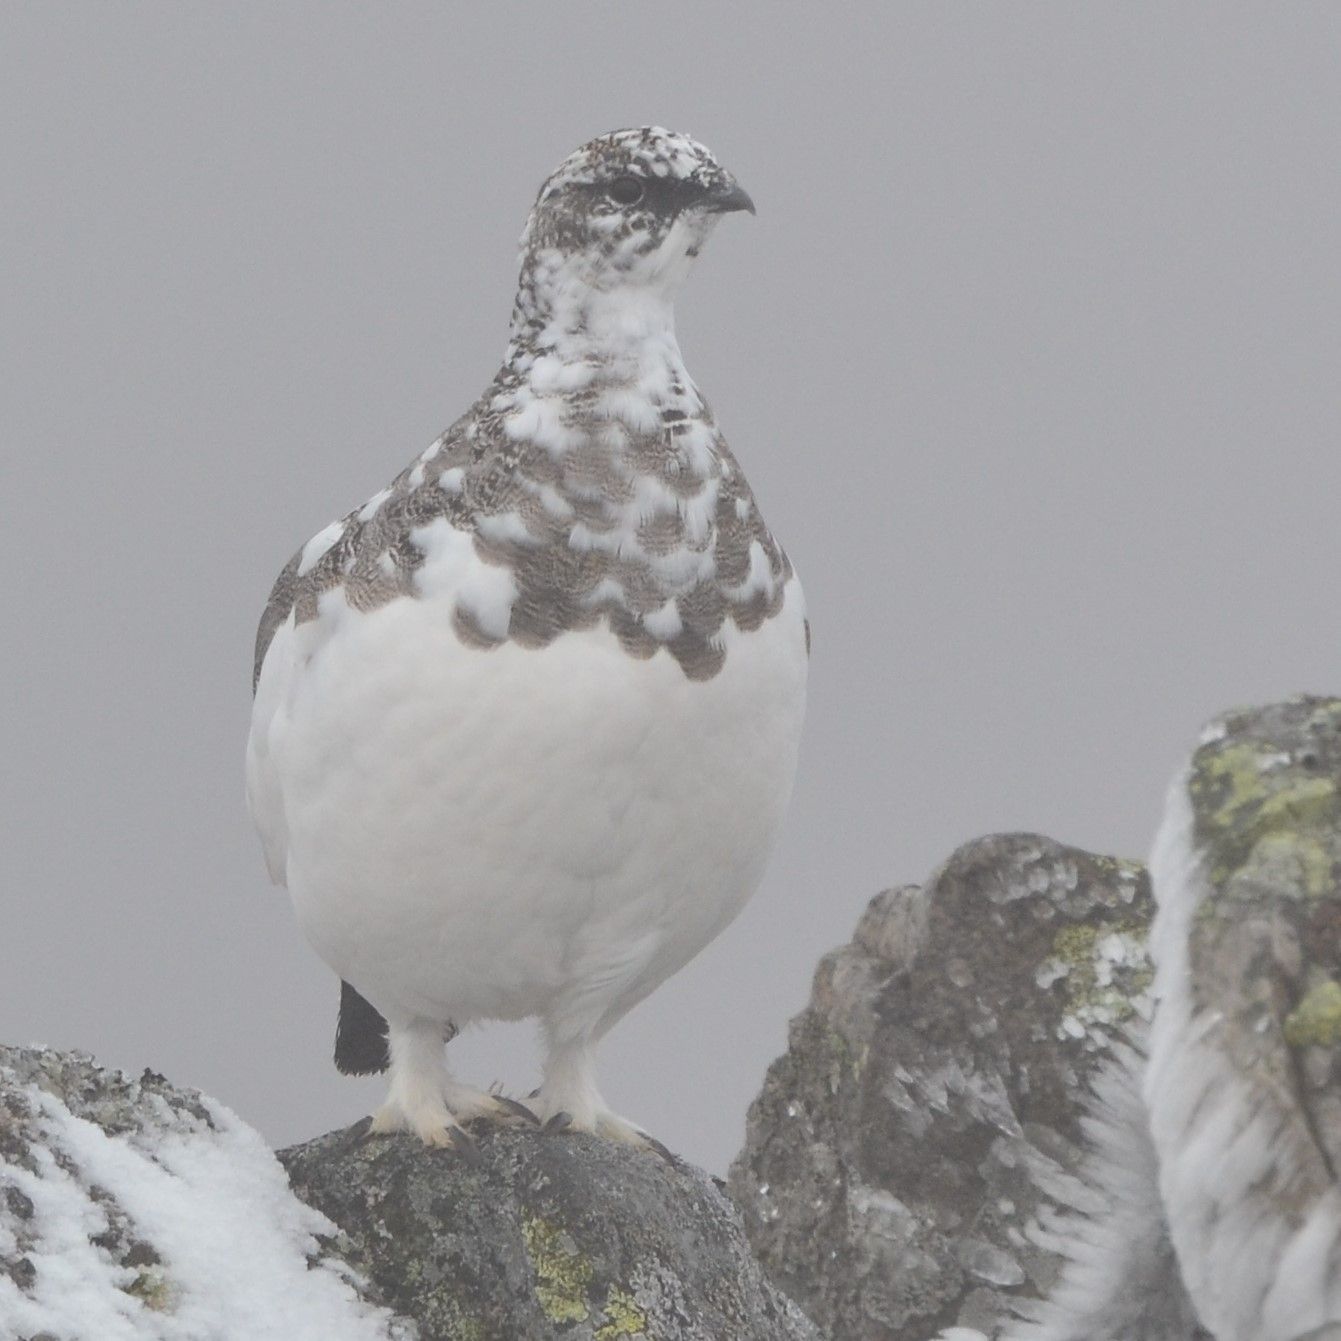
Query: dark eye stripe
[625, 190]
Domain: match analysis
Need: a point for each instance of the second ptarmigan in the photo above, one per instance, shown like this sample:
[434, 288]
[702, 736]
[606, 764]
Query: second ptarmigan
[526, 722]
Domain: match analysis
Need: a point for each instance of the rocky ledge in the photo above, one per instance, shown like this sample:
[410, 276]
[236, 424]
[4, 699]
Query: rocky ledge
[543, 1235]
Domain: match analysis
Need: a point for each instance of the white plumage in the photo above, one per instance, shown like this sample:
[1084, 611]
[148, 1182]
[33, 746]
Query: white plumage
[526, 723]
[1119, 1278]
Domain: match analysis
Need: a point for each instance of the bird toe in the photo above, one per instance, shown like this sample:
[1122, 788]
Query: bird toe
[515, 1109]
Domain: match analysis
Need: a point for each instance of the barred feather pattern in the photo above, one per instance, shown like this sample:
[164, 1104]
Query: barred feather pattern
[591, 475]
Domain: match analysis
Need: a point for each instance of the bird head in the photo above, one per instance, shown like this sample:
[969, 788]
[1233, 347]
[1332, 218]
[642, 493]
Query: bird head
[626, 214]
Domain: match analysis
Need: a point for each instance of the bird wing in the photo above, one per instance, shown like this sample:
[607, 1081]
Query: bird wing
[277, 608]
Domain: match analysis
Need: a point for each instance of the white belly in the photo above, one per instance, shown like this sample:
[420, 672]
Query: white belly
[501, 833]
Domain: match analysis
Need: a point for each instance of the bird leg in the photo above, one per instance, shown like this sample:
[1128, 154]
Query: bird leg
[568, 1099]
[423, 1098]
[416, 1098]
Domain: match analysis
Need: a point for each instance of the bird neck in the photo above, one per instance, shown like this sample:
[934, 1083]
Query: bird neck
[562, 312]
[591, 363]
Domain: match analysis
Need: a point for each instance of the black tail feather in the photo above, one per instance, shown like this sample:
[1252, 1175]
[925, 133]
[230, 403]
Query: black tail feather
[360, 1036]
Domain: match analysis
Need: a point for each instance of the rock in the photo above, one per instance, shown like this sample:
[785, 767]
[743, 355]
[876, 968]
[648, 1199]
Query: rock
[543, 1235]
[1246, 1046]
[131, 1210]
[907, 1158]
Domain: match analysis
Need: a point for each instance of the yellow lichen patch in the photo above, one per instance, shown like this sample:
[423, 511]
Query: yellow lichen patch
[1246, 775]
[1316, 1020]
[1306, 801]
[153, 1289]
[1227, 782]
[1074, 946]
[1250, 796]
[1286, 861]
[1103, 970]
[849, 1060]
[562, 1272]
[623, 1317]
[464, 1328]
[1237, 769]
[1122, 867]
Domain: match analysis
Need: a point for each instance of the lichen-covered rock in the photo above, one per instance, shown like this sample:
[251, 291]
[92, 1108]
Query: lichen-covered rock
[1244, 1082]
[544, 1235]
[907, 1154]
[131, 1210]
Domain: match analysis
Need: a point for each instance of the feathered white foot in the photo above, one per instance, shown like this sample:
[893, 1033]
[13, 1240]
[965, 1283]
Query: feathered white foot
[568, 1100]
[433, 1123]
[555, 1113]
[423, 1098]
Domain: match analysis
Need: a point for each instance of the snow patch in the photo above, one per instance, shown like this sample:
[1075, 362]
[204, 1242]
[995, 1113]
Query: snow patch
[239, 1253]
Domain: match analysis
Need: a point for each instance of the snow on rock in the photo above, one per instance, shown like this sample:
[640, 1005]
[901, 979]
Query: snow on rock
[134, 1211]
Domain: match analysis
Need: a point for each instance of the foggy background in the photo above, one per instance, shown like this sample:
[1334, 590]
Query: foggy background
[1031, 356]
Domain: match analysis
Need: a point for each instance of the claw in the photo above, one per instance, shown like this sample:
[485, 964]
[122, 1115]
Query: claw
[517, 1109]
[664, 1151]
[561, 1121]
[363, 1131]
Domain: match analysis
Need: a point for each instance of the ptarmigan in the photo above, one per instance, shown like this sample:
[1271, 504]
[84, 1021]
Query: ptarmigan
[526, 722]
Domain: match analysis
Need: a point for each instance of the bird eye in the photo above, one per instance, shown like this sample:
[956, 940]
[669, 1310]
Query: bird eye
[625, 190]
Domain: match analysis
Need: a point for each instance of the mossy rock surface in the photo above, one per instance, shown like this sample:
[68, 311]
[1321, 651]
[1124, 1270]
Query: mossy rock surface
[1266, 788]
[926, 1117]
[545, 1235]
[1264, 946]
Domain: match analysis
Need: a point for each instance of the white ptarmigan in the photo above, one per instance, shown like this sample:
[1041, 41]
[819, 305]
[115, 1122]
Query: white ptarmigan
[526, 722]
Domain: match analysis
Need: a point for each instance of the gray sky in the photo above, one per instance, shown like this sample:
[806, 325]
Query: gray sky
[1030, 355]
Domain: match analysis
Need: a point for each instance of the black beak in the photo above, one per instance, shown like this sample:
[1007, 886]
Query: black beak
[729, 196]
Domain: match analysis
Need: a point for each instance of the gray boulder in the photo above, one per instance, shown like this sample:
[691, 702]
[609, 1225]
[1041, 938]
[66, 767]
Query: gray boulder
[909, 1157]
[543, 1235]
